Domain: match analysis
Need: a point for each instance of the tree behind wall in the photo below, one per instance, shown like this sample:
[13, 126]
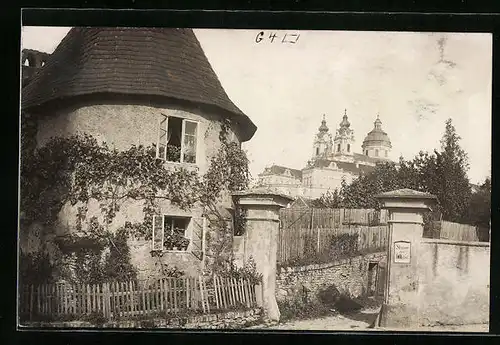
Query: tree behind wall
[479, 211]
[442, 173]
[447, 176]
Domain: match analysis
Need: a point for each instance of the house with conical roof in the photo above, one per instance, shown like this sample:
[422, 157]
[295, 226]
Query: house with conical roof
[133, 87]
[332, 161]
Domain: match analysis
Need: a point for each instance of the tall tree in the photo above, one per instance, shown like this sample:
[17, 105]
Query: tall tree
[361, 192]
[479, 211]
[448, 176]
[329, 200]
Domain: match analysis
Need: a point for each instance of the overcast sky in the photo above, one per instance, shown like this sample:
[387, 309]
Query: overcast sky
[415, 81]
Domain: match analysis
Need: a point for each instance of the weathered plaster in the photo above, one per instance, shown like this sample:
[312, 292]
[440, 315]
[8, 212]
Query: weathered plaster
[454, 281]
[261, 241]
[121, 126]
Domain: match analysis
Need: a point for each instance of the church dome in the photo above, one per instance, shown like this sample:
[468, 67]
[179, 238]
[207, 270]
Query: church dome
[323, 128]
[377, 137]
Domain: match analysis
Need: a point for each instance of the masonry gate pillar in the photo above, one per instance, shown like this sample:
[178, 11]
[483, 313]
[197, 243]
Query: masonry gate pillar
[261, 239]
[406, 208]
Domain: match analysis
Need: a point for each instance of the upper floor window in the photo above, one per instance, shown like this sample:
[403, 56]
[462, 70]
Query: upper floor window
[348, 147]
[317, 151]
[338, 148]
[177, 140]
[376, 153]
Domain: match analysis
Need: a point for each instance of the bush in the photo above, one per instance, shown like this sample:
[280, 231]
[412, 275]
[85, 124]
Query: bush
[346, 304]
[35, 268]
[341, 247]
[329, 295]
[95, 318]
[295, 309]
[341, 301]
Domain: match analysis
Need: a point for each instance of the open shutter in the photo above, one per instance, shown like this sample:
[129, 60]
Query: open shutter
[158, 232]
[189, 141]
[182, 139]
[161, 147]
[197, 237]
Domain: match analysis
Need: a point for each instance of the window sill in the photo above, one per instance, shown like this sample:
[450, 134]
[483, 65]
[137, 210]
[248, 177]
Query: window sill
[170, 251]
[176, 251]
[183, 164]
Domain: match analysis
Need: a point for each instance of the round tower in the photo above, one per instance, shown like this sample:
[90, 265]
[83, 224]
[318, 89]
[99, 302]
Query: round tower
[323, 141]
[377, 143]
[344, 138]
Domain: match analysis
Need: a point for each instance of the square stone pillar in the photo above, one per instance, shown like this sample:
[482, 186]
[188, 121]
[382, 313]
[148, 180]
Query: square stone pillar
[261, 239]
[401, 301]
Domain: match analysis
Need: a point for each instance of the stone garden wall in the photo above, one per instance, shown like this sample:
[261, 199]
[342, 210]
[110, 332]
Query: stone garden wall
[225, 320]
[350, 276]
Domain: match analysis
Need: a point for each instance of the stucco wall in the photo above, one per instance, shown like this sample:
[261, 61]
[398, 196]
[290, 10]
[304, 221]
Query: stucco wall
[383, 151]
[121, 126]
[149, 267]
[454, 279]
[343, 146]
[348, 275]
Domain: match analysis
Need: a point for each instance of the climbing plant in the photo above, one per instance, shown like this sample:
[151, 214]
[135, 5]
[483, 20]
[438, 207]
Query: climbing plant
[78, 169]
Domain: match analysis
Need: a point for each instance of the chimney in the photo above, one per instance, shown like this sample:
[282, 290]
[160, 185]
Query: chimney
[32, 61]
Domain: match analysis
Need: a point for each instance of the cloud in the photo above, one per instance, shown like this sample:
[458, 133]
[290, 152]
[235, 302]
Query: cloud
[422, 108]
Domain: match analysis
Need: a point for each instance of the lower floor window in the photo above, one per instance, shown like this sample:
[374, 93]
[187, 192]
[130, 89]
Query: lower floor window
[169, 232]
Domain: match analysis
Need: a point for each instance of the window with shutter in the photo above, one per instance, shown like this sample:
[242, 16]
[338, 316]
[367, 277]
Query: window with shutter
[177, 139]
[169, 232]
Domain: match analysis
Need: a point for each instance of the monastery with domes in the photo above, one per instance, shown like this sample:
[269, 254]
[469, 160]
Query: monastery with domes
[333, 159]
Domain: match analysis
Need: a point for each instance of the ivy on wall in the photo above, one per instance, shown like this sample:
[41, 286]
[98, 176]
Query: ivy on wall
[78, 169]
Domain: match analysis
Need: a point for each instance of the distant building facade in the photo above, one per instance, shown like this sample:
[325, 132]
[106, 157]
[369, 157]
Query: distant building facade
[333, 159]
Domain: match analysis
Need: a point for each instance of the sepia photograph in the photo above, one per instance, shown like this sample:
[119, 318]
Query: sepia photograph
[246, 179]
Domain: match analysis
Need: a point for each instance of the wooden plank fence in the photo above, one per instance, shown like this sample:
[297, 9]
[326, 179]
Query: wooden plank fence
[123, 299]
[456, 231]
[308, 231]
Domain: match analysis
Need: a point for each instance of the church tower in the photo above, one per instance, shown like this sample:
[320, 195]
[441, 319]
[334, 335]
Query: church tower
[344, 139]
[377, 143]
[322, 142]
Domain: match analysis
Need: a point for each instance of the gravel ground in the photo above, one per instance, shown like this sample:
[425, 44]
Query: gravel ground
[360, 321]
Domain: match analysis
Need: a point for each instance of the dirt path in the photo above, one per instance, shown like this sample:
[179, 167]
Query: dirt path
[360, 321]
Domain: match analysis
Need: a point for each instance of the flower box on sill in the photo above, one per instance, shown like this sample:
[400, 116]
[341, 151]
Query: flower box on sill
[176, 242]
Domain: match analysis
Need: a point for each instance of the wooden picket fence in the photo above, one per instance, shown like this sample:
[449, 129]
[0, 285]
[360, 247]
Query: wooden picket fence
[124, 299]
[229, 293]
[308, 231]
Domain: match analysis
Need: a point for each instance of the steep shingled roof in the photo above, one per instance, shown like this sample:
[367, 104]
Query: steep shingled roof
[301, 201]
[156, 62]
[345, 166]
[280, 170]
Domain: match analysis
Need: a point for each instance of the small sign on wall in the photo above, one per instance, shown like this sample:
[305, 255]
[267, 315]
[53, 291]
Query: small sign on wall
[402, 252]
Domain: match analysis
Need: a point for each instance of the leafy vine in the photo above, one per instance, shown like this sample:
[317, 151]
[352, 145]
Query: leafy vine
[78, 169]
